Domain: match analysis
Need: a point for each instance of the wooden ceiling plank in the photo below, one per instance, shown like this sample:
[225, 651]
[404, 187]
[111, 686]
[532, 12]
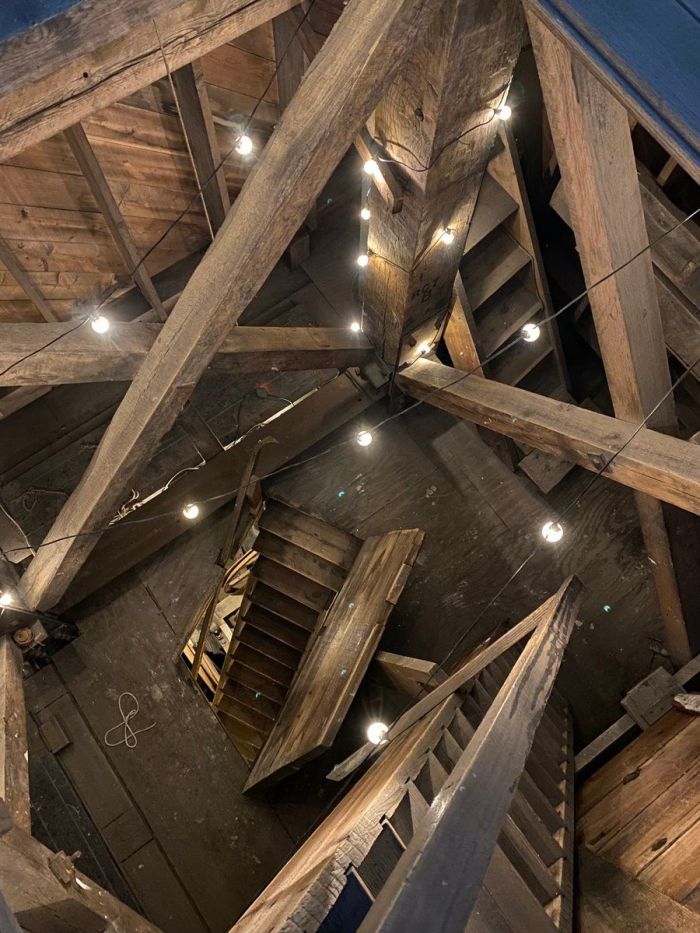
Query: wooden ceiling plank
[355, 67]
[95, 177]
[198, 126]
[62, 82]
[84, 356]
[24, 280]
[594, 146]
[653, 463]
[410, 276]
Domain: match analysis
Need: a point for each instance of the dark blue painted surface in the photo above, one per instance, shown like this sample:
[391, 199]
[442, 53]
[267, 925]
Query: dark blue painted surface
[16, 15]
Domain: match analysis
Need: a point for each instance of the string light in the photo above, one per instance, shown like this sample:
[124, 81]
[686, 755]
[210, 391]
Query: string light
[424, 348]
[364, 438]
[5, 599]
[365, 213]
[362, 260]
[245, 145]
[530, 332]
[376, 732]
[99, 323]
[503, 112]
[447, 236]
[355, 327]
[371, 167]
[552, 532]
[191, 511]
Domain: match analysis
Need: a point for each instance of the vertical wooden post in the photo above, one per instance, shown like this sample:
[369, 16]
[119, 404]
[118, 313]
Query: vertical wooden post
[14, 763]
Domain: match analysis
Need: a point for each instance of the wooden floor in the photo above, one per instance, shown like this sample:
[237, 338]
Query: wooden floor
[641, 810]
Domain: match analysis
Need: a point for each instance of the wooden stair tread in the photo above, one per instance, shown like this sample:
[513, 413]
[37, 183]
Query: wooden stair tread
[276, 627]
[259, 662]
[490, 265]
[228, 706]
[292, 584]
[282, 605]
[503, 314]
[311, 533]
[270, 647]
[519, 360]
[493, 206]
[253, 699]
[300, 560]
[257, 682]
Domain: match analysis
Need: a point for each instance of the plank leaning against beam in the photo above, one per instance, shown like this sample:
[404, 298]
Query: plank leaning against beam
[345, 81]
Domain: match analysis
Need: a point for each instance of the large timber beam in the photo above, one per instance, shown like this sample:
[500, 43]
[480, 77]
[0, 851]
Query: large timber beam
[352, 71]
[592, 140]
[458, 73]
[14, 772]
[653, 463]
[84, 356]
[59, 72]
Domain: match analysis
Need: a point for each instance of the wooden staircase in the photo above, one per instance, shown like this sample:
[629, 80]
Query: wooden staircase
[301, 564]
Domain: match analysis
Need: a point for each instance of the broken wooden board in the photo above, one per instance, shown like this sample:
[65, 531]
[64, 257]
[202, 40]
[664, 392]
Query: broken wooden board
[336, 662]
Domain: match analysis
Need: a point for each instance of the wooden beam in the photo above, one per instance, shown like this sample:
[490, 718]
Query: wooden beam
[437, 880]
[102, 193]
[89, 57]
[24, 280]
[40, 901]
[84, 356]
[14, 768]
[289, 56]
[198, 126]
[411, 273]
[594, 146]
[661, 466]
[355, 67]
[459, 332]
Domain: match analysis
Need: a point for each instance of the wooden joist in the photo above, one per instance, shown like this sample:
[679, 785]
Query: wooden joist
[25, 281]
[67, 67]
[14, 769]
[408, 283]
[85, 356]
[351, 72]
[661, 466]
[198, 126]
[102, 193]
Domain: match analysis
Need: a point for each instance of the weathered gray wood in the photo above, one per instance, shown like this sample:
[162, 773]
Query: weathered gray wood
[349, 75]
[85, 356]
[664, 467]
[102, 193]
[100, 51]
[14, 767]
[453, 846]
[332, 669]
[24, 280]
[198, 126]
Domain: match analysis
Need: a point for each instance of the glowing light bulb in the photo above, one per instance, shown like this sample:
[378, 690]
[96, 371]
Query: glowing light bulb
[365, 213]
[355, 327]
[5, 599]
[530, 332]
[424, 347]
[447, 237]
[503, 112]
[552, 532]
[362, 260]
[376, 732]
[370, 167]
[364, 438]
[100, 324]
[191, 511]
[245, 145]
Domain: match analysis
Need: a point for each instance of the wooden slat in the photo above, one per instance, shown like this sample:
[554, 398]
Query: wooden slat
[114, 50]
[123, 240]
[25, 281]
[493, 205]
[262, 664]
[272, 648]
[283, 606]
[258, 683]
[294, 585]
[355, 66]
[409, 280]
[300, 560]
[454, 845]
[84, 356]
[14, 770]
[275, 627]
[311, 533]
[488, 267]
[338, 658]
[661, 466]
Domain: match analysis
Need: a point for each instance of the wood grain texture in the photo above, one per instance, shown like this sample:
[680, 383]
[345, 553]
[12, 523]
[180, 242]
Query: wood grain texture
[341, 89]
[85, 356]
[664, 467]
[98, 68]
[14, 770]
[411, 274]
[331, 671]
